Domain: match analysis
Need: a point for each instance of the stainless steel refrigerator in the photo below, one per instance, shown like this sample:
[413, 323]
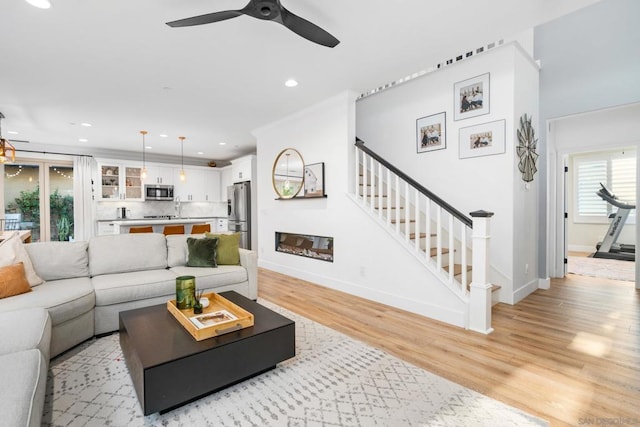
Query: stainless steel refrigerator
[239, 210]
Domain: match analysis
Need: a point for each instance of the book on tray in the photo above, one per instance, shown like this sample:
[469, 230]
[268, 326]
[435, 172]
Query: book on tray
[212, 319]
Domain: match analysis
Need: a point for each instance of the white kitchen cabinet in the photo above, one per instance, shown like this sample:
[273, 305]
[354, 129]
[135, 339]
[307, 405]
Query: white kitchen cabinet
[226, 180]
[212, 186]
[242, 169]
[105, 228]
[201, 185]
[221, 224]
[119, 182]
[157, 174]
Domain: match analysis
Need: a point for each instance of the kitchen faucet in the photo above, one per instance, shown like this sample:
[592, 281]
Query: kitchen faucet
[178, 207]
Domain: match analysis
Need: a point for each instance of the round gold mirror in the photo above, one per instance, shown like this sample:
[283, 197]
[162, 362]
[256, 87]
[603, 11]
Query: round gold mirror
[288, 173]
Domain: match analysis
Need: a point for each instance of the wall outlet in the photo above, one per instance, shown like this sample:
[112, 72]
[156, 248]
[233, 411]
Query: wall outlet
[362, 271]
[526, 269]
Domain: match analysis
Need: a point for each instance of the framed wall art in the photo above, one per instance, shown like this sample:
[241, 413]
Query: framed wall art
[314, 180]
[486, 139]
[431, 133]
[471, 97]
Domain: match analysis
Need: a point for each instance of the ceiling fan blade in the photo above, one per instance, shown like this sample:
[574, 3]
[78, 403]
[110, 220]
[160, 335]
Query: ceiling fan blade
[205, 19]
[308, 30]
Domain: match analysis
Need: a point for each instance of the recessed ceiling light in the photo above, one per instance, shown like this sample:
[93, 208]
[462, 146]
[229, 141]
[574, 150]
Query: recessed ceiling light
[83, 140]
[200, 153]
[291, 83]
[222, 143]
[163, 135]
[87, 125]
[148, 147]
[12, 132]
[42, 4]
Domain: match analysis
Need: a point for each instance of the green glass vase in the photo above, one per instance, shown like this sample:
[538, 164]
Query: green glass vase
[185, 292]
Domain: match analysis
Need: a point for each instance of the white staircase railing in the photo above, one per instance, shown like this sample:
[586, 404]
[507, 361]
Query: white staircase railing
[451, 245]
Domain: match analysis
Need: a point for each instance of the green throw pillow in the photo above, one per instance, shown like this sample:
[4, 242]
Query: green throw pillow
[202, 252]
[228, 252]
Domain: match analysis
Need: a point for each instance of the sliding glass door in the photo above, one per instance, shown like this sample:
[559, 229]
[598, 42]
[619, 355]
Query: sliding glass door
[38, 196]
[60, 210]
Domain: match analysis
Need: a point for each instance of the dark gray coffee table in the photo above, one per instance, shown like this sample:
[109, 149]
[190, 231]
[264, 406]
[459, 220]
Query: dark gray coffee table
[170, 368]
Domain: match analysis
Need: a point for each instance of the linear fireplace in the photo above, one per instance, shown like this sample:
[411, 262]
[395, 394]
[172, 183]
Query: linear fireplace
[317, 247]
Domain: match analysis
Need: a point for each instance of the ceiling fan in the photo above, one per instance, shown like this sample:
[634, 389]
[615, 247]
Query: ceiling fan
[269, 10]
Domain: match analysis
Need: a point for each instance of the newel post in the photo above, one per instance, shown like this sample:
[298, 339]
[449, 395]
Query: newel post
[480, 297]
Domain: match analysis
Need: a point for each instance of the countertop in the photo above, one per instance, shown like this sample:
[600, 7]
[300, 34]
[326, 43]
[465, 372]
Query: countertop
[153, 221]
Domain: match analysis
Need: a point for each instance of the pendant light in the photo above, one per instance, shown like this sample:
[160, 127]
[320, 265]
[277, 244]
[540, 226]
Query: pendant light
[287, 183]
[183, 177]
[6, 147]
[143, 172]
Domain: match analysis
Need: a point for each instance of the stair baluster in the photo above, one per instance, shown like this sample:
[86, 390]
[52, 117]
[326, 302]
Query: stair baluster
[379, 185]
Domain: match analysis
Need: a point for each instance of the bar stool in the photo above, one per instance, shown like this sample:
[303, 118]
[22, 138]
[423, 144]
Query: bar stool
[200, 228]
[148, 229]
[173, 229]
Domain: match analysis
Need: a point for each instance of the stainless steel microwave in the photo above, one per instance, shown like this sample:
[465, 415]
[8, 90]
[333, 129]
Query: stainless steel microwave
[158, 192]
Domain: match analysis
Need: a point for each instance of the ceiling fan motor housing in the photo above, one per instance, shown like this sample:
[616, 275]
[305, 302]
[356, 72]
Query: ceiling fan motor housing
[267, 10]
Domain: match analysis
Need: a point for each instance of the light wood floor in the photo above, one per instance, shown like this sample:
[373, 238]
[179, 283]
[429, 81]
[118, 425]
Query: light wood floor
[565, 354]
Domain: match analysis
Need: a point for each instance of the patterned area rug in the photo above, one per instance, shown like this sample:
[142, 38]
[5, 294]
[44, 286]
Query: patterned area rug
[600, 267]
[333, 381]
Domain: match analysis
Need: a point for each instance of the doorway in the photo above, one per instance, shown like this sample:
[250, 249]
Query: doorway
[614, 130]
[38, 196]
[589, 215]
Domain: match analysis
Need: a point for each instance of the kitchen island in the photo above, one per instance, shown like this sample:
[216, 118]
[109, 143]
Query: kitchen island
[122, 226]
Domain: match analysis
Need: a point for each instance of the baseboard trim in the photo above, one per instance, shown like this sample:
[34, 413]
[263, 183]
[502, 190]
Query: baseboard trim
[581, 248]
[544, 283]
[442, 314]
[524, 291]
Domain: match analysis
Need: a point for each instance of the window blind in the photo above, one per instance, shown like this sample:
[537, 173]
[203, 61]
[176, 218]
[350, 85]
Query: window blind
[616, 170]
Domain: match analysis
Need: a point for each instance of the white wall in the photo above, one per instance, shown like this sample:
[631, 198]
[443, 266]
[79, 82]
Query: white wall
[386, 122]
[589, 62]
[525, 195]
[367, 261]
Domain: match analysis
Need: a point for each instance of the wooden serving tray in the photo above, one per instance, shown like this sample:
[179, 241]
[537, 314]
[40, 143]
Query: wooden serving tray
[216, 304]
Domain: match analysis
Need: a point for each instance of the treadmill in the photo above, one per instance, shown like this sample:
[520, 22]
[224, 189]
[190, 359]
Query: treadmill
[609, 247]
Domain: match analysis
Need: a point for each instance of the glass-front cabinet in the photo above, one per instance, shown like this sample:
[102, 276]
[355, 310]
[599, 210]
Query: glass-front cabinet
[120, 182]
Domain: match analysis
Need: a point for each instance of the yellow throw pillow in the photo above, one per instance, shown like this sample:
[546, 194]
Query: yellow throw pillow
[12, 251]
[13, 281]
[228, 251]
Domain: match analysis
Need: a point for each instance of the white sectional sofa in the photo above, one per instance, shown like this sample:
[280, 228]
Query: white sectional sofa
[24, 362]
[87, 284]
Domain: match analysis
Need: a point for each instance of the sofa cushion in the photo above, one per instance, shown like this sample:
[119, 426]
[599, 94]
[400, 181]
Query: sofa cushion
[208, 278]
[12, 251]
[25, 330]
[65, 299]
[59, 260]
[22, 402]
[133, 286]
[201, 252]
[121, 253]
[13, 281]
[228, 252]
[177, 249]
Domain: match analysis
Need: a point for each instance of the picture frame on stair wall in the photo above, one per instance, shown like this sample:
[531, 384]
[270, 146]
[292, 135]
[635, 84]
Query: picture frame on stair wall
[471, 97]
[431, 133]
[486, 139]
